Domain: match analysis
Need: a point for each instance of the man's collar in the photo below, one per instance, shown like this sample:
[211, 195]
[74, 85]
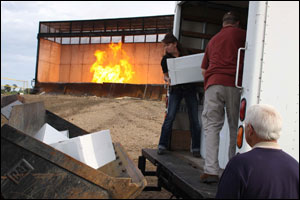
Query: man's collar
[229, 25]
[268, 145]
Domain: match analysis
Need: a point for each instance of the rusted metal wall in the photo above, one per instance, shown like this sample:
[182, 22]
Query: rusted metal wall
[49, 61]
[72, 63]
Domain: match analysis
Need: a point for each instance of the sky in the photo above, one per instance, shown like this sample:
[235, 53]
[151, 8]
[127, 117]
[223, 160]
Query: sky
[20, 21]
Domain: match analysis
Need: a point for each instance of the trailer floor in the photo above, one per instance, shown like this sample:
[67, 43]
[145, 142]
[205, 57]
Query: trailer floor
[183, 171]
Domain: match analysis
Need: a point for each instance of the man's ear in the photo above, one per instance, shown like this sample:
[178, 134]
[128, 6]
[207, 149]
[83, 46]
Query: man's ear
[251, 129]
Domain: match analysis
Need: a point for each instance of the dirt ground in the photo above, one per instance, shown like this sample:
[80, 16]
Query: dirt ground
[135, 123]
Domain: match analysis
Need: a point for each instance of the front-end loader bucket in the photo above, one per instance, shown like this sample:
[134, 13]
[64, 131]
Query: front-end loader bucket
[33, 169]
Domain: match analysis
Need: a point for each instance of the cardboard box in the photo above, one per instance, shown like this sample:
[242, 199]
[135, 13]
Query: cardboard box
[180, 140]
[185, 69]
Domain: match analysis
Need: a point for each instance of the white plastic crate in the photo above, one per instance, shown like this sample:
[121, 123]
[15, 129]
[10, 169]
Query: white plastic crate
[185, 69]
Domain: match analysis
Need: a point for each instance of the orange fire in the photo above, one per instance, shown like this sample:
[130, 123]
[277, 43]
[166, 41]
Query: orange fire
[112, 66]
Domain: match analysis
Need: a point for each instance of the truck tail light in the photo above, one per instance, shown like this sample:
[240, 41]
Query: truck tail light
[239, 140]
[243, 109]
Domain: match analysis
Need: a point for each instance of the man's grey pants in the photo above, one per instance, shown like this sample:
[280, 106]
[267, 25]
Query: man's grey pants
[216, 98]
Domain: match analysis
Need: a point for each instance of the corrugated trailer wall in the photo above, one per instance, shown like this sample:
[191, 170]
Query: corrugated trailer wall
[69, 63]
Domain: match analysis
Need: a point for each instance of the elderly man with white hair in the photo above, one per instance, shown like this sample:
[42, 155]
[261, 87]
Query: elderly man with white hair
[265, 171]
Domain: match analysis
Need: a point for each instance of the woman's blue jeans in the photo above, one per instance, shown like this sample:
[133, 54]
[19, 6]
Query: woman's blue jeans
[175, 97]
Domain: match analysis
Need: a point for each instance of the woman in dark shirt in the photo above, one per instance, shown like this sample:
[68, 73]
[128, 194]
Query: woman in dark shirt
[187, 91]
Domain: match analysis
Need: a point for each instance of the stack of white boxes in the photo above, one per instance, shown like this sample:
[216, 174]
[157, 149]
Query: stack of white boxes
[185, 69]
[94, 149]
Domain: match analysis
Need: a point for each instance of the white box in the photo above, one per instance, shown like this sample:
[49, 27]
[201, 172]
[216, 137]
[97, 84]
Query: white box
[94, 149]
[185, 69]
[49, 135]
[65, 133]
[7, 109]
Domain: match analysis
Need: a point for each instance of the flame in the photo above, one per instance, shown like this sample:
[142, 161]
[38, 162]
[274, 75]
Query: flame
[112, 66]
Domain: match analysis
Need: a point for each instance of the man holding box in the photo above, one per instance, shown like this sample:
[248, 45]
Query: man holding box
[219, 69]
[177, 92]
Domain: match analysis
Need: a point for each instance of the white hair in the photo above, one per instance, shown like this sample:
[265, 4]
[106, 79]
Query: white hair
[265, 120]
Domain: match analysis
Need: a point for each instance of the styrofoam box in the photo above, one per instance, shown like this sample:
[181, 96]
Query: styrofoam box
[7, 109]
[185, 69]
[49, 135]
[94, 149]
[65, 133]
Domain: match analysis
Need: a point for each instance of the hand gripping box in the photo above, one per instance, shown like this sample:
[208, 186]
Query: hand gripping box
[185, 69]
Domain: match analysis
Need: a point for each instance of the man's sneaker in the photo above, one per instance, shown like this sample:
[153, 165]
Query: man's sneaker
[208, 178]
[197, 154]
[161, 151]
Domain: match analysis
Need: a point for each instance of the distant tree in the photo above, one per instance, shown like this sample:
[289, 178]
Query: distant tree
[14, 87]
[27, 91]
[21, 90]
[7, 88]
